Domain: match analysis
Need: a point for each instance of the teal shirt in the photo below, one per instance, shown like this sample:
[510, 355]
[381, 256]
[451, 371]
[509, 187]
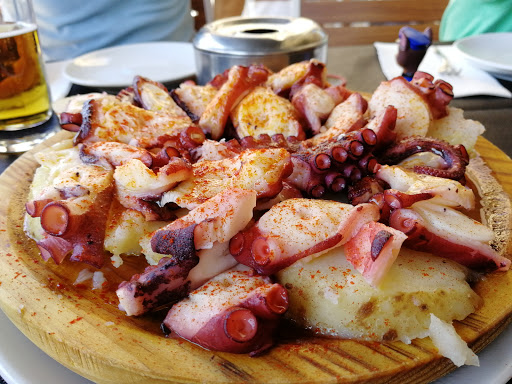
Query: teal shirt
[69, 28]
[471, 17]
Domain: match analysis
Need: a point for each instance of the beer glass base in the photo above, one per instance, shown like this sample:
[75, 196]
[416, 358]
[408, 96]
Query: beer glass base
[20, 141]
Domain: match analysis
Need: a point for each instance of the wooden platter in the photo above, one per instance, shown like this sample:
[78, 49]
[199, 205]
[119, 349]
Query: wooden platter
[84, 330]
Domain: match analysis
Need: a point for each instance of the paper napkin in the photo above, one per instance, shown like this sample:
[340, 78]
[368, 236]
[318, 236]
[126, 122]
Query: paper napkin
[470, 81]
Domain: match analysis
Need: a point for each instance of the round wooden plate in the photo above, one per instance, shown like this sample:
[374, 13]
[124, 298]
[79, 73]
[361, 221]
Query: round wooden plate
[84, 330]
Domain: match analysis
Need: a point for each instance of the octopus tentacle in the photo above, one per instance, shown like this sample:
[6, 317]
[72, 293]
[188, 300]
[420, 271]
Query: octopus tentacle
[112, 153]
[383, 124]
[365, 189]
[304, 178]
[127, 95]
[373, 250]
[455, 157]
[108, 119]
[54, 247]
[314, 104]
[154, 96]
[216, 220]
[84, 228]
[138, 187]
[438, 94]
[346, 160]
[396, 199]
[180, 103]
[70, 121]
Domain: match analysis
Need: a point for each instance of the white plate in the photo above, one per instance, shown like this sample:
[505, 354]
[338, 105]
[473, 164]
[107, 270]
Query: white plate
[21, 362]
[116, 66]
[490, 52]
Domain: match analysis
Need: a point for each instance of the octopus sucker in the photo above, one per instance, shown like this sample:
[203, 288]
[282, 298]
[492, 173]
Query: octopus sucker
[315, 168]
[34, 208]
[57, 218]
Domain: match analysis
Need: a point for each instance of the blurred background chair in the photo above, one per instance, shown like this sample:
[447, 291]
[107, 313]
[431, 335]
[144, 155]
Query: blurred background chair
[206, 11]
[218, 9]
[354, 22]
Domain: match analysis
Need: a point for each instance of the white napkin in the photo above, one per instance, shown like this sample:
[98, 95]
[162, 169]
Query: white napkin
[470, 81]
[59, 84]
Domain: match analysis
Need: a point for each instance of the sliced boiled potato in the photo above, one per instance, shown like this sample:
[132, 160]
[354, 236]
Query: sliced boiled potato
[125, 229]
[455, 129]
[450, 344]
[328, 296]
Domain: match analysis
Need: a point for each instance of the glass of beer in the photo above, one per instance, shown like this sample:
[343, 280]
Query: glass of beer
[24, 95]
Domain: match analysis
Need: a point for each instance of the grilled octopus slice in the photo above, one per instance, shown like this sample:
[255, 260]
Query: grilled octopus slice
[233, 312]
[373, 250]
[446, 232]
[216, 220]
[240, 81]
[261, 170]
[452, 192]
[108, 119]
[296, 228]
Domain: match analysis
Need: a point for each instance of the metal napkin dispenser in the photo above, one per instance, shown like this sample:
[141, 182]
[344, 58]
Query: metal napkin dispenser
[275, 42]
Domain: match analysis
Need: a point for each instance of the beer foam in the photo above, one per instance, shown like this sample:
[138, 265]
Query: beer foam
[16, 29]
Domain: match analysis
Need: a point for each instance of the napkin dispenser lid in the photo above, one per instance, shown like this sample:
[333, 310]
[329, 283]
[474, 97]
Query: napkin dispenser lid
[259, 35]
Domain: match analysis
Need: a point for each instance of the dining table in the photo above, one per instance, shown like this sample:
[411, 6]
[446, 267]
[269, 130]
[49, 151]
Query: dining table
[359, 66]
